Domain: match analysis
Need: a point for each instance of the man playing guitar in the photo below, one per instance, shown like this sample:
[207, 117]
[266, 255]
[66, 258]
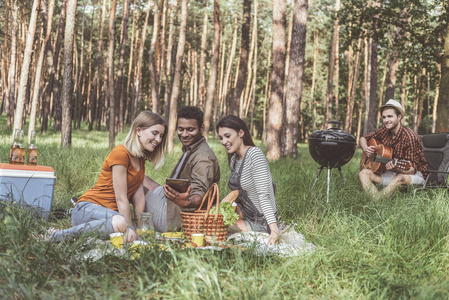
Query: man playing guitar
[406, 145]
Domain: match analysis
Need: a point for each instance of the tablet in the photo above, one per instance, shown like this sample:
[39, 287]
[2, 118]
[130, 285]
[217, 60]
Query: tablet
[180, 185]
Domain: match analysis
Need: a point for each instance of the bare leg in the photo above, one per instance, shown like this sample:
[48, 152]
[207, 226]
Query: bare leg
[241, 224]
[396, 181]
[368, 179]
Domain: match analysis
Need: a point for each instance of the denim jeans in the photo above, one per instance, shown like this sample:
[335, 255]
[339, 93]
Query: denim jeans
[88, 217]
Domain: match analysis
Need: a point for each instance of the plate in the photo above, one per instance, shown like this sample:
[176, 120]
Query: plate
[175, 236]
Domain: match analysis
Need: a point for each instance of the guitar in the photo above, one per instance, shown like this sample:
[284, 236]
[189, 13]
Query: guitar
[382, 156]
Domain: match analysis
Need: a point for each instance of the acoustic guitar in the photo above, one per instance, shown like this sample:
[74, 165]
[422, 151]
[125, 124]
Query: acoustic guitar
[383, 155]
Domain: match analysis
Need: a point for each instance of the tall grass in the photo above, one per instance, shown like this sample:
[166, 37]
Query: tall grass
[392, 249]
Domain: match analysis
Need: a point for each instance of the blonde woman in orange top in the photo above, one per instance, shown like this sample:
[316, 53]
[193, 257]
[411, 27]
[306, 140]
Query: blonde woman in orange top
[105, 208]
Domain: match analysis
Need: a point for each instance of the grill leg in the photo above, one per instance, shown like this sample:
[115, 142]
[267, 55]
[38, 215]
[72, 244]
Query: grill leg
[328, 182]
[341, 175]
[316, 178]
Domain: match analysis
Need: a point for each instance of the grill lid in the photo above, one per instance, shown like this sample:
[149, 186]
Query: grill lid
[332, 147]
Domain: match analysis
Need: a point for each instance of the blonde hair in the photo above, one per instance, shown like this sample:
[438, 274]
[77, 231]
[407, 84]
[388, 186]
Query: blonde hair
[145, 120]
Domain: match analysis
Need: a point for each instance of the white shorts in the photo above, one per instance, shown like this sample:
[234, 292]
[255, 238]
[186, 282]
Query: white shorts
[417, 178]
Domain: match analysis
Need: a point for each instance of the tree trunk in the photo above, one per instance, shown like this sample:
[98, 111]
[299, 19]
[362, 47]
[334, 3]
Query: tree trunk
[80, 75]
[138, 75]
[336, 81]
[19, 113]
[312, 89]
[96, 109]
[56, 88]
[244, 103]
[392, 78]
[202, 89]
[442, 123]
[112, 107]
[11, 91]
[330, 78]
[4, 62]
[294, 79]
[348, 123]
[359, 120]
[130, 95]
[230, 62]
[176, 90]
[435, 102]
[154, 78]
[265, 99]
[384, 78]
[421, 98]
[372, 100]
[415, 98]
[66, 133]
[275, 114]
[211, 89]
[168, 68]
[394, 64]
[46, 33]
[121, 67]
[89, 115]
[243, 59]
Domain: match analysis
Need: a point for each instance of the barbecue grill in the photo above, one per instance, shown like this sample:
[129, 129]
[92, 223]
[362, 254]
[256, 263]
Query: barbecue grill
[331, 148]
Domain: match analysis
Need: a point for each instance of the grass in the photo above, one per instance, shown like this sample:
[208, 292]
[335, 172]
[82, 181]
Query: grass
[394, 249]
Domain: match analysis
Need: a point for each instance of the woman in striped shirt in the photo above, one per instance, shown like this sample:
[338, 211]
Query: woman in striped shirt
[251, 176]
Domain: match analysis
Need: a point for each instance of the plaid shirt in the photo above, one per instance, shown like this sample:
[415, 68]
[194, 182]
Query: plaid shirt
[406, 145]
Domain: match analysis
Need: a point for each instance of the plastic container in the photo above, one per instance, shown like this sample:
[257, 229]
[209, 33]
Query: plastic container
[30, 186]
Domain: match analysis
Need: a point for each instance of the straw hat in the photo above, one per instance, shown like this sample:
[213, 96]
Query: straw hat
[394, 104]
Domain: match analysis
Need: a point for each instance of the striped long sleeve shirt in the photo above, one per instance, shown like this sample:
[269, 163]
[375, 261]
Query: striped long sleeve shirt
[256, 180]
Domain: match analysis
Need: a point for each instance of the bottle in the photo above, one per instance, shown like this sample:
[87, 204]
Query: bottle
[17, 153]
[32, 150]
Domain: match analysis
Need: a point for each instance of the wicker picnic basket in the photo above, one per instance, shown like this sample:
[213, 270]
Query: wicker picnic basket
[200, 221]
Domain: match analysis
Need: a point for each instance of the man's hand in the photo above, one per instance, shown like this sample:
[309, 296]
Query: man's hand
[370, 151]
[390, 166]
[181, 199]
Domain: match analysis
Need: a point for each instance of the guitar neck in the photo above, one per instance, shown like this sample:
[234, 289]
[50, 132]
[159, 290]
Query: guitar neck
[402, 164]
[383, 160]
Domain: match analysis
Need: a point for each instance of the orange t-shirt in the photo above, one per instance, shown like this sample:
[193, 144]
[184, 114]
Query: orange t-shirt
[103, 191]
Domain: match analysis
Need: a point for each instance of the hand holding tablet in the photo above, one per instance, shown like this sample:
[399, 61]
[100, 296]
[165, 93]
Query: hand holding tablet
[180, 185]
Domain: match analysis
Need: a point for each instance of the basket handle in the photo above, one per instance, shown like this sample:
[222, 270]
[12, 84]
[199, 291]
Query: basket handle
[212, 194]
[205, 198]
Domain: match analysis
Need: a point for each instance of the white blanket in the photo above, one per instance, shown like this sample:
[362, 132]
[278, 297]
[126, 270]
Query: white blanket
[290, 243]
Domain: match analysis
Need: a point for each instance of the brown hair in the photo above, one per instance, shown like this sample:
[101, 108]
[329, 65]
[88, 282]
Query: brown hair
[236, 124]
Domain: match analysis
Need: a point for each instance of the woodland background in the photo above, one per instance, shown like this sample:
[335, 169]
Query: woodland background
[286, 67]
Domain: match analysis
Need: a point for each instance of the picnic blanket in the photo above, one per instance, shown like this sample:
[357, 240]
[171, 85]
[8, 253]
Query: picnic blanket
[291, 243]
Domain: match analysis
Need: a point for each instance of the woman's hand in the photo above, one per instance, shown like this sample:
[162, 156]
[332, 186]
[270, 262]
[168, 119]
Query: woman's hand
[273, 238]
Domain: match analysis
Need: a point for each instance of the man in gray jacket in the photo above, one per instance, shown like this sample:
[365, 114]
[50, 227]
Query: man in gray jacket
[198, 164]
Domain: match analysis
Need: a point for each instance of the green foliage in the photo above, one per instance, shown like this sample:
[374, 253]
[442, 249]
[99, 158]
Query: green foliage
[395, 248]
[229, 215]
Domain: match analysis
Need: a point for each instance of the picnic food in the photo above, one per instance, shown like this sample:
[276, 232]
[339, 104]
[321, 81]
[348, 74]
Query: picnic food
[229, 215]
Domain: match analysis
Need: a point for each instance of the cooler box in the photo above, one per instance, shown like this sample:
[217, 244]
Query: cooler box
[30, 186]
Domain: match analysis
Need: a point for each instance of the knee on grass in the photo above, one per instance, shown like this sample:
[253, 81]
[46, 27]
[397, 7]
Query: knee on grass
[365, 173]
